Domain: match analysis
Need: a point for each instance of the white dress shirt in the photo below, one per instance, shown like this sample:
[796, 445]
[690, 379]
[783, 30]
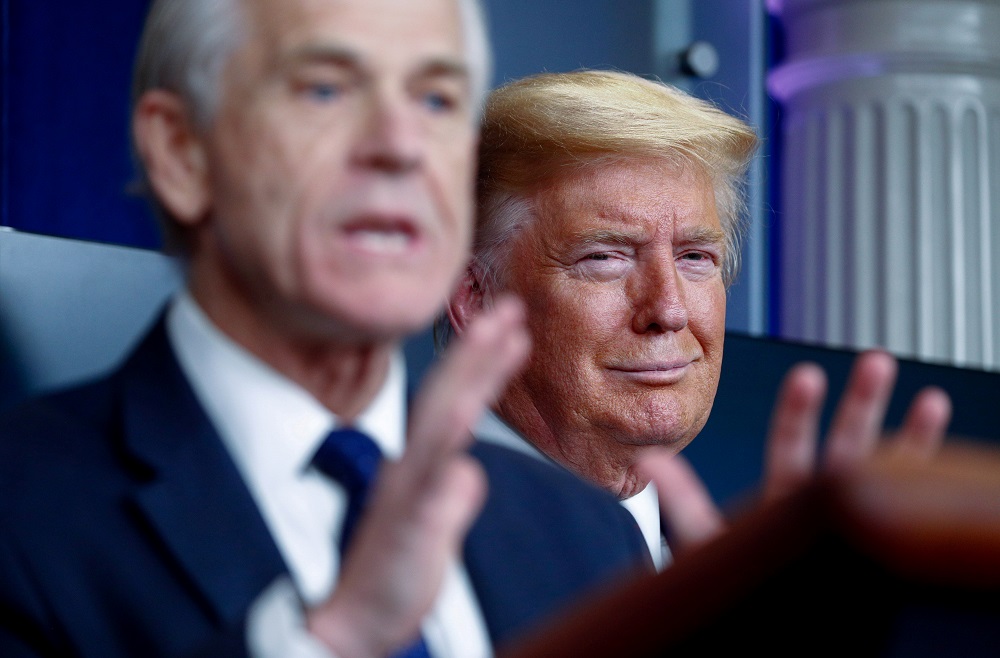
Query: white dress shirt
[644, 506]
[272, 427]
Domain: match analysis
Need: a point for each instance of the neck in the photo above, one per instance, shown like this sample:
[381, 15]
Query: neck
[342, 375]
[583, 449]
[344, 379]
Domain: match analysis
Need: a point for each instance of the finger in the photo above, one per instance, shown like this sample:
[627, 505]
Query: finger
[423, 504]
[467, 379]
[689, 515]
[450, 508]
[403, 547]
[790, 457]
[473, 372]
[925, 424]
[438, 511]
[857, 424]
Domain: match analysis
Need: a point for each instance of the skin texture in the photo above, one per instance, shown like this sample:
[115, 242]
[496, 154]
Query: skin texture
[328, 212]
[620, 271]
[328, 202]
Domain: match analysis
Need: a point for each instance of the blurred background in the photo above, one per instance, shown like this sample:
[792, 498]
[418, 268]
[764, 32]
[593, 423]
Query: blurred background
[874, 215]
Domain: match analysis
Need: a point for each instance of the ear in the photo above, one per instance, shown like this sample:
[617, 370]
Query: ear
[468, 300]
[173, 154]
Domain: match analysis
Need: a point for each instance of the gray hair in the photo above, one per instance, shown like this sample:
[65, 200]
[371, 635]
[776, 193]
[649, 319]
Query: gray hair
[185, 45]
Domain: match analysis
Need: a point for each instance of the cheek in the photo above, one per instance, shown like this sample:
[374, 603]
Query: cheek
[452, 162]
[449, 188]
[462, 215]
[707, 317]
[576, 324]
[254, 178]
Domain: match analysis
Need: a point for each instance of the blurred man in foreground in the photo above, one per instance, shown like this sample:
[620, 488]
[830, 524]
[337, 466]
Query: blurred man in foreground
[313, 160]
[612, 206]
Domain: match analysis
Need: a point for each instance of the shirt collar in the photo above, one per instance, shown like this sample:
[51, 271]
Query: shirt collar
[266, 420]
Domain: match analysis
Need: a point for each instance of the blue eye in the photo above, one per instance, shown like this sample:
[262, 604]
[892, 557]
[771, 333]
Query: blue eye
[324, 92]
[437, 102]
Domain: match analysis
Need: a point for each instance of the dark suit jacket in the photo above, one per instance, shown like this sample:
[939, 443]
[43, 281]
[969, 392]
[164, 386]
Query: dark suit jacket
[126, 530]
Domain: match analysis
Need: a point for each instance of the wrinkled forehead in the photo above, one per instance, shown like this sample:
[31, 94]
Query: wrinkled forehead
[615, 178]
[393, 34]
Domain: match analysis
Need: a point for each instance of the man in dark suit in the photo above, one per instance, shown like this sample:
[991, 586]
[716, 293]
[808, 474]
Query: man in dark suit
[313, 160]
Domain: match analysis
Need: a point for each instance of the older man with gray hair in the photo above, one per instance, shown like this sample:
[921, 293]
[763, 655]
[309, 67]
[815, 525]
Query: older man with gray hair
[313, 160]
[612, 206]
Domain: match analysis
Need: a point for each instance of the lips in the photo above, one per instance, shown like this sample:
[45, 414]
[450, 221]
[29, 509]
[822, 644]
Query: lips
[382, 235]
[653, 372]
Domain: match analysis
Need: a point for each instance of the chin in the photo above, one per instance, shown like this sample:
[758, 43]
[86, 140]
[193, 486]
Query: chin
[382, 308]
[658, 430]
[667, 423]
[358, 323]
[389, 326]
[409, 313]
[675, 440]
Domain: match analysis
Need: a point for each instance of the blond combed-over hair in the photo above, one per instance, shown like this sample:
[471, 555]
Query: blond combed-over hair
[537, 127]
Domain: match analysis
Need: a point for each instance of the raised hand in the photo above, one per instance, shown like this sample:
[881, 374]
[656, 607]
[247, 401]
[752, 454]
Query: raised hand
[423, 504]
[856, 431]
[792, 455]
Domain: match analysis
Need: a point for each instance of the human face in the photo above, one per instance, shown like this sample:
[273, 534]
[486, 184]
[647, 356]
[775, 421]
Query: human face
[340, 169]
[621, 274]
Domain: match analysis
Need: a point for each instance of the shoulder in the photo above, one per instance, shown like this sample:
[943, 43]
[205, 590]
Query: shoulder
[72, 439]
[58, 448]
[82, 421]
[48, 449]
[525, 476]
[48, 422]
[544, 538]
[524, 488]
[56, 427]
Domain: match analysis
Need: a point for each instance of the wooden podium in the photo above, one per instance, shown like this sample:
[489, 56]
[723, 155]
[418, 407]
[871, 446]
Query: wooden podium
[895, 560]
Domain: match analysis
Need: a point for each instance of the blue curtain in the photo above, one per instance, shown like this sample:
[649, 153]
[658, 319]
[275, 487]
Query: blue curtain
[66, 162]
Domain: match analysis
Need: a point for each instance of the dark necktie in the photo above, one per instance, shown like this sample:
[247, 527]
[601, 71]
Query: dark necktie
[351, 458]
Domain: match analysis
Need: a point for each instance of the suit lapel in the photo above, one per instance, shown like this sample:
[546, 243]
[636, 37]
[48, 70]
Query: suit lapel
[196, 500]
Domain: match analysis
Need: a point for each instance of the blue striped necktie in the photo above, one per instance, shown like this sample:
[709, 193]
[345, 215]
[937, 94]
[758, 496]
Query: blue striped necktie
[351, 458]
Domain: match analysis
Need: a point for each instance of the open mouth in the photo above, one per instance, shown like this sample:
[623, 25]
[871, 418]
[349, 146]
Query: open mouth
[381, 236]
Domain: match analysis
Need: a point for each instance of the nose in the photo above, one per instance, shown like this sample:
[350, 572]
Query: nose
[658, 298]
[390, 138]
